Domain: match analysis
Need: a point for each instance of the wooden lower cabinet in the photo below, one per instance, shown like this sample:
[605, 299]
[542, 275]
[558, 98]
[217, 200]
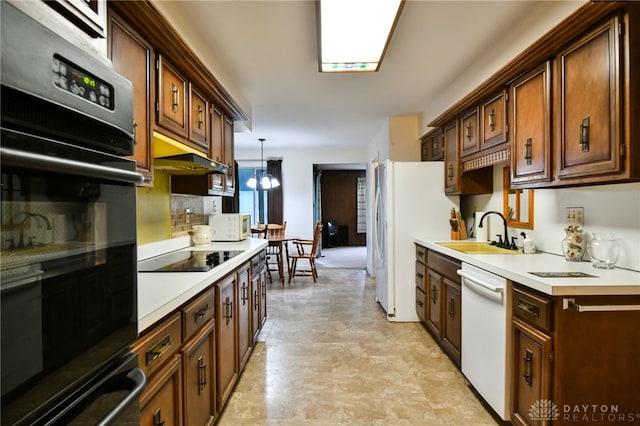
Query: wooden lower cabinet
[531, 373]
[574, 359]
[161, 401]
[244, 316]
[438, 301]
[199, 377]
[227, 348]
[191, 357]
[451, 317]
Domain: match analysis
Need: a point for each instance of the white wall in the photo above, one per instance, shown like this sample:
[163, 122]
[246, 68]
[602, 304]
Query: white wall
[607, 208]
[297, 179]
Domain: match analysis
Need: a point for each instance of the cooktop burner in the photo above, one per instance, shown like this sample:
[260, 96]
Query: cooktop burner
[186, 261]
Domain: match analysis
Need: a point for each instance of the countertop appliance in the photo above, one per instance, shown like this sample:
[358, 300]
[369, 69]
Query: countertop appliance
[69, 294]
[409, 202]
[485, 337]
[187, 261]
[230, 226]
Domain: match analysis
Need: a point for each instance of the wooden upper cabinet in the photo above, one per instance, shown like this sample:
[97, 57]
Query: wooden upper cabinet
[494, 121]
[451, 158]
[230, 185]
[198, 118]
[131, 55]
[216, 147]
[172, 99]
[469, 133]
[587, 104]
[531, 128]
[432, 146]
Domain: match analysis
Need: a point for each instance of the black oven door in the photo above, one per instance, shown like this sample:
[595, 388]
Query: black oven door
[68, 284]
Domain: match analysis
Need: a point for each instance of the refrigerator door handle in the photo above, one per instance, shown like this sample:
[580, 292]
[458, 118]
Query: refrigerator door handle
[378, 234]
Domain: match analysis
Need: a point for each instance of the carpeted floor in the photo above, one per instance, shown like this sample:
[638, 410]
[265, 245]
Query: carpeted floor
[349, 257]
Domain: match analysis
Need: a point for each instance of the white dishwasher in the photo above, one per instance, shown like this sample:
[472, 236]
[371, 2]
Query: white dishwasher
[485, 337]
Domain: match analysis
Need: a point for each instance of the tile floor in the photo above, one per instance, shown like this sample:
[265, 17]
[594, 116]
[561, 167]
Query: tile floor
[327, 356]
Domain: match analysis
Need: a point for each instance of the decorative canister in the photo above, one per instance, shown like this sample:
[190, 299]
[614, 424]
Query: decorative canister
[604, 250]
[573, 244]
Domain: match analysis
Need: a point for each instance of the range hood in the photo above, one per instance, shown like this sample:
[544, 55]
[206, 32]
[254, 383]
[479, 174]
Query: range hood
[188, 164]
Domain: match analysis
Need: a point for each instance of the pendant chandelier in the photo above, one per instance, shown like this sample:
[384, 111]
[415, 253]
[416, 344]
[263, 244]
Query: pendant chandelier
[266, 180]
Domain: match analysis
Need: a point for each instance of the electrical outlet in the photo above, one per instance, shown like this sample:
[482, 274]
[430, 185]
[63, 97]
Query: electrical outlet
[575, 216]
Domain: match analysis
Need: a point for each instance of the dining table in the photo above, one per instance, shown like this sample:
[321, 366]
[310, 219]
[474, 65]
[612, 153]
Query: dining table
[281, 242]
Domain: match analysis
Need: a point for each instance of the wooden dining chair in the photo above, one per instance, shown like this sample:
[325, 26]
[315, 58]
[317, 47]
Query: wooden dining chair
[306, 249]
[275, 259]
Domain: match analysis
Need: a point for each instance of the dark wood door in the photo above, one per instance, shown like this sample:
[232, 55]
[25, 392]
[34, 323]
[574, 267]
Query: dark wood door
[340, 206]
[434, 310]
[198, 118]
[244, 313]
[452, 325]
[172, 99]
[451, 159]
[161, 402]
[469, 139]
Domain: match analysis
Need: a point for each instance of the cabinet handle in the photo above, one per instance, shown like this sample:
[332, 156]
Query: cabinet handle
[527, 151]
[157, 418]
[420, 303]
[157, 351]
[435, 146]
[450, 171]
[434, 294]
[200, 120]
[255, 300]
[200, 313]
[468, 131]
[528, 362]
[202, 374]
[584, 134]
[244, 295]
[420, 276]
[228, 306]
[175, 93]
[451, 311]
[571, 303]
[529, 308]
[492, 119]
[135, 133]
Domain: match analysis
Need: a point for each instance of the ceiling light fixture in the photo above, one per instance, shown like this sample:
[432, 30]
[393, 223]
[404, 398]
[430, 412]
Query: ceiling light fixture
[354, 34]
[266, 181]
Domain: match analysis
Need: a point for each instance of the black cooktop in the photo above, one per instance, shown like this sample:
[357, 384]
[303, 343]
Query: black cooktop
[186, 261]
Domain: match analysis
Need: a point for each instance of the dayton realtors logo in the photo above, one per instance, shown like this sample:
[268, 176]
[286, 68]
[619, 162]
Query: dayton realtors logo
[544, 409]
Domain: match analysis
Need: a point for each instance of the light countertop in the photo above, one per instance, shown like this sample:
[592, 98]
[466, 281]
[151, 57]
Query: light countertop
[517, 267]
[160, 293]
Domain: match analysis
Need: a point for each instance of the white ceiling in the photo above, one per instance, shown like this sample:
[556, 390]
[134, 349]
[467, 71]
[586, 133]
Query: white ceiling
[266, 51]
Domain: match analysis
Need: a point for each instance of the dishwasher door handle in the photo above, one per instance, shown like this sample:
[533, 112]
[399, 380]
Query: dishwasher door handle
[475, 280]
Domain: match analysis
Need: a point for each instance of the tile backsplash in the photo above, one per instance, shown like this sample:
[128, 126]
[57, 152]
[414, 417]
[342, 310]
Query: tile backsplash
[186, 211]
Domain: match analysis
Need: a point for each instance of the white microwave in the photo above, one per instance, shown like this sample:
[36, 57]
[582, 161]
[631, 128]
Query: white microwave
[230, 226]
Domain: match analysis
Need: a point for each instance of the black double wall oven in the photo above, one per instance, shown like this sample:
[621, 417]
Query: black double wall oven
[68, 286]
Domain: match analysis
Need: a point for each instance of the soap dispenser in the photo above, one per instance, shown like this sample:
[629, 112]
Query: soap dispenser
[528, 245]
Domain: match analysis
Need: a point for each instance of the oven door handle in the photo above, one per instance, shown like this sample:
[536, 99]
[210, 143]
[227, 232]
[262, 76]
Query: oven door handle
[55, 164]
[136, 381]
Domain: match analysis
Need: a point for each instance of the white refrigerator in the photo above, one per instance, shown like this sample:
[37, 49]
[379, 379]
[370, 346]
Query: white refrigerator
[409, 203]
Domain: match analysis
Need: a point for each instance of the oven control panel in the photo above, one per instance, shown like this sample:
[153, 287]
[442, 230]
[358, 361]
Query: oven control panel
[68, 77]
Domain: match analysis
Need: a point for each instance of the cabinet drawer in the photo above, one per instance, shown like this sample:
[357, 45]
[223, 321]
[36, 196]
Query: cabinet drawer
[532, 308]
[421, 254]
[421, 276]
[257, 262]
[159, 344]
[197, 313]
[443, 264]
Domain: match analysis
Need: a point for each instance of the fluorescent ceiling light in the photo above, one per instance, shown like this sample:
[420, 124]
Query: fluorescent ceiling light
[353, 34]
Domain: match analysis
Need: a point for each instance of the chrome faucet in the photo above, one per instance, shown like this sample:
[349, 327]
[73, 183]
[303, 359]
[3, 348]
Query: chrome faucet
[500, 242]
